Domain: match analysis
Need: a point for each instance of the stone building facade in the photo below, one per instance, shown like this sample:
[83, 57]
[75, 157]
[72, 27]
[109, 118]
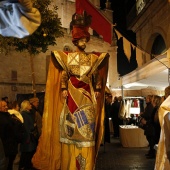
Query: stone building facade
[151, 25]
[151, 22]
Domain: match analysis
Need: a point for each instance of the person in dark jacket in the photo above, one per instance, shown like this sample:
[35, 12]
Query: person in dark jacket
[108, 101]
[28, 146]
[18, 127]
[2, 157]
[7, 134]
[148, 109]
[149, 131]
[36, 114]
[115, 116]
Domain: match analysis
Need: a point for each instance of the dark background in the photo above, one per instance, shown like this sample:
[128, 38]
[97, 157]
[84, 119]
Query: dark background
[121, 9]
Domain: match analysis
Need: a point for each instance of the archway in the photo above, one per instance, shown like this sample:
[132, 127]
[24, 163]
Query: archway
[158, 46]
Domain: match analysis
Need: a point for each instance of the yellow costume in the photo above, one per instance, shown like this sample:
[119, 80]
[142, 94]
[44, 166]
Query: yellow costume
[72, 130]
[163, 152]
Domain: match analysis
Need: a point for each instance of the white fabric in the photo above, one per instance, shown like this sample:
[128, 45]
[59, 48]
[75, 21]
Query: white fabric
[18, 20]
[17, 114]
[128, 106]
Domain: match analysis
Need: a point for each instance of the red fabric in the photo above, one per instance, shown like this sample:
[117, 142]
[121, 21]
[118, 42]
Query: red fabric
[96, 53]
[80, 32]
[71, 104]
[99, 23]
[79, 9]
[77, 165]
[79, 84]
[135, 103]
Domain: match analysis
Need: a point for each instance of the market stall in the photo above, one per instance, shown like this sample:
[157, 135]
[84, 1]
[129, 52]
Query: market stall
[132, 136]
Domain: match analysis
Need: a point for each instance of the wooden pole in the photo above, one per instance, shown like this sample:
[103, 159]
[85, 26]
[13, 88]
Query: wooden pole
[33, 75]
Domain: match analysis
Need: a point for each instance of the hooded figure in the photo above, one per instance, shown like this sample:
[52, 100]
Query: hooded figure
[73, 116]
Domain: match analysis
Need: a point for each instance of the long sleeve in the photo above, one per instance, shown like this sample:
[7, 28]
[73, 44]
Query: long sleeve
[64, 80]
[97, 80]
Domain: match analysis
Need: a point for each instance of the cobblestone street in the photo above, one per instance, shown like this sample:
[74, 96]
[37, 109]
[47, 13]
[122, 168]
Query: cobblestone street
[112, 156]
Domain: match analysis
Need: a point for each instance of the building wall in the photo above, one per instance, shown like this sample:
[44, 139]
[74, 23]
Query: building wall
[153, 21]
[20, 62]
[136, 93]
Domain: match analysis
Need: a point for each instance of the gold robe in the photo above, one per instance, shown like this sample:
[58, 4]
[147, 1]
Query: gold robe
[163, 151]
[59, 147]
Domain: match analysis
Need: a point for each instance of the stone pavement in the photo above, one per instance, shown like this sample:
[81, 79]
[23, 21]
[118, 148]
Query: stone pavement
[112, 156]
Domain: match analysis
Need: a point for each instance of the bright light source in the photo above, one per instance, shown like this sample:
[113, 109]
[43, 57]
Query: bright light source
[135, 84]
[134, 110]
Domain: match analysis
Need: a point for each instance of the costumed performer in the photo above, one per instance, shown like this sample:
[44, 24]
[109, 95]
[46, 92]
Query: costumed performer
[18, 18]
[73, 116]
[163, 151]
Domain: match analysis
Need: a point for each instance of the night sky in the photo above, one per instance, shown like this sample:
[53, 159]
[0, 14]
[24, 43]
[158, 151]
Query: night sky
[120, 10]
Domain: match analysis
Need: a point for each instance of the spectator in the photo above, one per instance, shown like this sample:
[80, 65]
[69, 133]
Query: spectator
[7, 133]
[122, 110]
[18, 127]
[6, 100]
[36, 113]
[146, 119]
[148, 109]
[150, 127]
[108, 101]
[13, 109]
[115, 116]
[28, 146]
[2, 157]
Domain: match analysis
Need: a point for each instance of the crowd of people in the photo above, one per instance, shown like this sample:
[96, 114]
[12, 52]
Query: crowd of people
[20, 129]
[20, 125]
[147, 119]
